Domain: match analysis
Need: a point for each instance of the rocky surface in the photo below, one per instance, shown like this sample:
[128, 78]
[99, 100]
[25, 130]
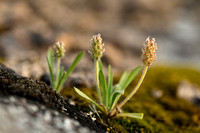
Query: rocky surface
[12, 83]
[28, 28]
[20, 115]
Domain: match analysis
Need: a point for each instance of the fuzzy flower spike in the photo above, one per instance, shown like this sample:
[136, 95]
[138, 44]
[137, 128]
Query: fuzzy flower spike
[96, 53]
[149, 51]
[97, 49]
[59, 50]
[54, 57]
[148, 57]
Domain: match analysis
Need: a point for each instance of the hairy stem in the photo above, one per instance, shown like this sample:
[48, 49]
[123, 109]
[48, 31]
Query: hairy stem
[97, 81]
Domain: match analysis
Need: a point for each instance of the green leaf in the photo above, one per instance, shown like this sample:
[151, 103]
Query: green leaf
[59, 87]
[110, 83]
[76, 60]
[100, 65]
[73, 65]
[131, 76]
[123, 79]
[133, 115]
[88, 98]
[50, 65]
[115, 97]
[103, 85]
[61, 73]
[117, 90]
[50, 57]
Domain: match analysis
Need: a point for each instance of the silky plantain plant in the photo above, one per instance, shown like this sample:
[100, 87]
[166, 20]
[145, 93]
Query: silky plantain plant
[61, 75]
[108, 93]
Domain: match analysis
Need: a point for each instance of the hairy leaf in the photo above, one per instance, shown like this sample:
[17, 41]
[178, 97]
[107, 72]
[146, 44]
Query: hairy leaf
[125, 80]
[100, 65]
[115, 97]
[131, 76]
[133, 115]
[51, 65]
[103, 85]
[61, 73]
[88, 98]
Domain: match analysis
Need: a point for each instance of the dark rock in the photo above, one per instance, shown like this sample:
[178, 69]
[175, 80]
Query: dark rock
[12, 83]
[45, 78]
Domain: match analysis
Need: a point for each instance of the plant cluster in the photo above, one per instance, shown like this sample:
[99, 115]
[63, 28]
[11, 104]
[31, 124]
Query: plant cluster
[108, 93]
[61, 75]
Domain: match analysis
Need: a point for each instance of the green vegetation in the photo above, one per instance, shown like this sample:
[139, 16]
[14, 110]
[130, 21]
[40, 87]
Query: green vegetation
[167, 113]
[110, 94]
[61, 75]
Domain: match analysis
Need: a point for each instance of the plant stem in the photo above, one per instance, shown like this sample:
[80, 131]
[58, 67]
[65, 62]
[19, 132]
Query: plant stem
[57, 73]
[97, 81]
[133, 91]
[58, 87]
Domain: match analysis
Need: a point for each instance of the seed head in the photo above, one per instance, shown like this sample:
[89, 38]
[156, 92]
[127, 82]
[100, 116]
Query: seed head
[97, 49]
[149, 51]
[59, 50]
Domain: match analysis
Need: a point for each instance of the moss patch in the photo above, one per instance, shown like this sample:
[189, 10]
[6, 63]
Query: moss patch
[164, 114]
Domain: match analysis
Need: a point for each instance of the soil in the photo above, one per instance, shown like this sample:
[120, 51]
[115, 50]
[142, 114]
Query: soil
[12, 83]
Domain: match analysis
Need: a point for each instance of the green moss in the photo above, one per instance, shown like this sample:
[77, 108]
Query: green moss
[165, 114]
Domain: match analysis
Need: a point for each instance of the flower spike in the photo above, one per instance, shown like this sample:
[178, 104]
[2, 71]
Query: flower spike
[149, 51]
[97, 49]
[59, 50]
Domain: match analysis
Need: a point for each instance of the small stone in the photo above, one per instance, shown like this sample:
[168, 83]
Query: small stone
[32, 108]
[47, 116]
[12, 99]
[23, 100]
[43, 107]
[72, 102]
[188, 92]
[157, 93]
[56, 113]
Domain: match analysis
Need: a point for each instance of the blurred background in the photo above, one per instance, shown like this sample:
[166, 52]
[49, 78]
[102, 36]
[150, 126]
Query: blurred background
[28, 28]
[170, 96]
